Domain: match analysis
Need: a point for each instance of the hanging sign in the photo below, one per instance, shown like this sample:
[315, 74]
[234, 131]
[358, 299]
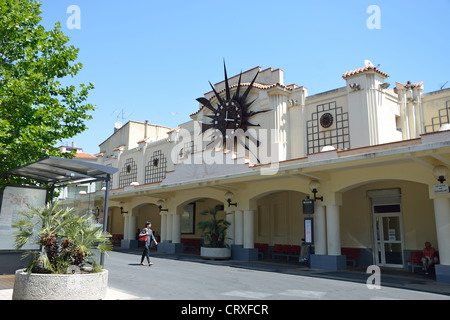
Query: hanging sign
[441, 188]
[308, 206]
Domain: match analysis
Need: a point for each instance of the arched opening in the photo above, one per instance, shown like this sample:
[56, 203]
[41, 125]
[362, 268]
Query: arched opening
[190, 212]
[148, 212]
[387, 220]
[279, 218]
[115, 225]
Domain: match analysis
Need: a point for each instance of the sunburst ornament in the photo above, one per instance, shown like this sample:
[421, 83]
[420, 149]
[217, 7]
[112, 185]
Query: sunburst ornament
[231, 113]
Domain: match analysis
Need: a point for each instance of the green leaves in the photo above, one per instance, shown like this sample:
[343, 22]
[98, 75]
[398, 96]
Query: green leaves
[36, 109]
[214, 230]
[67, 238]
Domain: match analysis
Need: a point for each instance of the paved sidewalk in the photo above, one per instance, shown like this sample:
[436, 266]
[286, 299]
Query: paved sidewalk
[391, 278]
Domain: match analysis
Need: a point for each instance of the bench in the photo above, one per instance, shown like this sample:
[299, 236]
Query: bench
[415, 260]
[191, 244]
[116, 239]
[352, 254]
[286, 250]
[262, 249]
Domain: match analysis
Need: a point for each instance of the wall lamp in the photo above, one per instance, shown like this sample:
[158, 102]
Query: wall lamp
[228, 197]
[314, 185]
[440, 172]
[160, 204]
[384, 85]
[354, 86]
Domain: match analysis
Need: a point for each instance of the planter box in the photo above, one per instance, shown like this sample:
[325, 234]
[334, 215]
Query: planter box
[215, 253]
[35, 286]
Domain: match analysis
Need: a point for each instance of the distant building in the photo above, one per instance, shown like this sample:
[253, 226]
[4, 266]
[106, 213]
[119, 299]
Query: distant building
[80, 154]
[81, 195]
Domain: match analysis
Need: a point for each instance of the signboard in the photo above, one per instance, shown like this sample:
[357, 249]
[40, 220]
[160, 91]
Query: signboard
[12, 201]
[441, 188]
[309, 231]
[308, 206]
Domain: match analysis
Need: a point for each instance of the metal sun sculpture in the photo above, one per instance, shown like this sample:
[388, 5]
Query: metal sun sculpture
[231, 114]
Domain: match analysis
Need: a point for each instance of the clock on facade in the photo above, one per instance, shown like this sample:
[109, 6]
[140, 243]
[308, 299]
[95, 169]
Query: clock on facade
[231, 113]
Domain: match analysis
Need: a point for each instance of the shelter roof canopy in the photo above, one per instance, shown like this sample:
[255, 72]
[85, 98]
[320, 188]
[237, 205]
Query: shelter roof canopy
[53, 170]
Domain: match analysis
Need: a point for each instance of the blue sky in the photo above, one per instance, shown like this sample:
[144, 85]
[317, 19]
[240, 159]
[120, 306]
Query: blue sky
[152, 59]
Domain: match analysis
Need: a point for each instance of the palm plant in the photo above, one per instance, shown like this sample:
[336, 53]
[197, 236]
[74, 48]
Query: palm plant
[214, 230]
[66, 239]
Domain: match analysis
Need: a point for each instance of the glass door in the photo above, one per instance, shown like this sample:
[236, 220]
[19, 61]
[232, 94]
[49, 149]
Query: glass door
[388, 235]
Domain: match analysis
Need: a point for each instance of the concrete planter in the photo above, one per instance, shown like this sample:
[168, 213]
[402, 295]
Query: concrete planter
[34, 286]
[215, 253]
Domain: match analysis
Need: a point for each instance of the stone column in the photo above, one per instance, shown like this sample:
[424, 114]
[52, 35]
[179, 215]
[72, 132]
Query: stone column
[442, 217]
[320, 235]
[238, 227]
[176, 228]
[230, 231]
[249, 241]
[333, 231]
[163, 226]
[169, 223]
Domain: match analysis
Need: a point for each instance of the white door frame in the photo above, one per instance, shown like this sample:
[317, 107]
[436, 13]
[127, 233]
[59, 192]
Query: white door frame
[379, 244]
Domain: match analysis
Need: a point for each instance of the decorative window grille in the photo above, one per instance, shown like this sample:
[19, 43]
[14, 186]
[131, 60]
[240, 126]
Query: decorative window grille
[155, 171]
[128, 174]
[188, 148]
[440, 120]
[328, 126]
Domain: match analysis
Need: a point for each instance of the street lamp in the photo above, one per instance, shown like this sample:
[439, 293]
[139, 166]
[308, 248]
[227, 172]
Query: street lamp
[228, 197]
[440, 172]
[314, 185]
[160, 204]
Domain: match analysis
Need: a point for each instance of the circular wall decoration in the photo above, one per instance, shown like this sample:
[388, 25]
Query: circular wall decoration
[326, 120]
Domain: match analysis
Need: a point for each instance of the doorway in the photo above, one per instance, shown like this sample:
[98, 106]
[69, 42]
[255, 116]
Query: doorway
[388, 231]
[387, 222]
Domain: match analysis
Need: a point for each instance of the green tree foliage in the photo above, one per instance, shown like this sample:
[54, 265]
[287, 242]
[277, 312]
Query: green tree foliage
[36, 109]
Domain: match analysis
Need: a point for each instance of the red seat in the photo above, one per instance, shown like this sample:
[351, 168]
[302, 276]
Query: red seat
[416, 256]
[415, 261]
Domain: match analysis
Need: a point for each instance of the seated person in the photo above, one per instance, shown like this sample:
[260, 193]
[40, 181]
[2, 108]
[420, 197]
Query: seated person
[428, 257]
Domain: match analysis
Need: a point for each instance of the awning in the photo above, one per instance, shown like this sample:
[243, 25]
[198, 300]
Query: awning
[54, 171]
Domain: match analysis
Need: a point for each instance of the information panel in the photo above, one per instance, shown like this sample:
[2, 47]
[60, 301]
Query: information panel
[12, 201]
[308, 206]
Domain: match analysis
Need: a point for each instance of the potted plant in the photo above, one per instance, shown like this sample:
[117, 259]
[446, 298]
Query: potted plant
[214, 235]
[65, 267]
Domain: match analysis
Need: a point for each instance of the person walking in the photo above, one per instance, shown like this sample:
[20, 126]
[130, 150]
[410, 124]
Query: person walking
[149, 233]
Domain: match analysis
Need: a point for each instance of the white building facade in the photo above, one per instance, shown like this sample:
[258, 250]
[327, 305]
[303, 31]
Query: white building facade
[374, 152]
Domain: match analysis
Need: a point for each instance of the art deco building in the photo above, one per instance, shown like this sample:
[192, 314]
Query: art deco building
[371, 152]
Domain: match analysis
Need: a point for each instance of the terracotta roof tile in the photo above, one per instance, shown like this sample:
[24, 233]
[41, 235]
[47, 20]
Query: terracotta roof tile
[364, 69]
[84, 155]
[255, 85]
[411, 85]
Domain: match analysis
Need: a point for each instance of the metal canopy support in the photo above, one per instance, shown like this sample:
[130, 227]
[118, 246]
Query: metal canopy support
[105, 213]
